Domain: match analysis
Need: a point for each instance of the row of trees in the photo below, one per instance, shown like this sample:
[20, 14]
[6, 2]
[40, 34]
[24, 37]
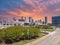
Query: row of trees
[17, 33]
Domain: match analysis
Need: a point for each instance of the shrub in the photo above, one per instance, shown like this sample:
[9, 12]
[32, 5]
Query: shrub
[31, 32]
[12, 34]
[1, 35]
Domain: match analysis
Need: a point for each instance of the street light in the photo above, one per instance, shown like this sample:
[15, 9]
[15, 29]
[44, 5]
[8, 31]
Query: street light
[28, 33]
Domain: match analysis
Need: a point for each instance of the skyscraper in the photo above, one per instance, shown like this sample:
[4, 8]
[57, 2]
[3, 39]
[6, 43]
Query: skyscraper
[30, 20]
[45, 20]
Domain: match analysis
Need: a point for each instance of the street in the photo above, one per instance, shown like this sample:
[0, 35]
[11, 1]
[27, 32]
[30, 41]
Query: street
[53, 39]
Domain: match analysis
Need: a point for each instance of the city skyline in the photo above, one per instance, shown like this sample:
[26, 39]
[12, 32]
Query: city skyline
[37, 9]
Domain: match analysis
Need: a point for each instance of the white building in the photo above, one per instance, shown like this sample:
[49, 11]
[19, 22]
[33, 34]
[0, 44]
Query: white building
[11, 22]
[39, 22]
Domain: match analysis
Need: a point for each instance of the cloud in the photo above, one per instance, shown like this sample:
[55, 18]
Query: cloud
[34, 8]
[54, 1]
[58, 9]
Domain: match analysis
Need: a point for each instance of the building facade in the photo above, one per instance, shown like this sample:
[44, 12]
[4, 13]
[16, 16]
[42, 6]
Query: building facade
[56, 20]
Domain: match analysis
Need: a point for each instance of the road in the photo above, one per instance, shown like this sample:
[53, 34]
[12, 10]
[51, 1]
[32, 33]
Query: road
[53, 39]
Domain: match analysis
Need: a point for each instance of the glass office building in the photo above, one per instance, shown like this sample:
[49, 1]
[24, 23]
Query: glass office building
[56, 20]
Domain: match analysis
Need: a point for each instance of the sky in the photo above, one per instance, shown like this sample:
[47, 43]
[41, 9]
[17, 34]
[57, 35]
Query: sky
[37, 9]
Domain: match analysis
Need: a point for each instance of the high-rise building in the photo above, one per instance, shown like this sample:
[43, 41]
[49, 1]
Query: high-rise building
[45, 20]
[30, 20]
[23, 18]
[14, 19]
[56, 20]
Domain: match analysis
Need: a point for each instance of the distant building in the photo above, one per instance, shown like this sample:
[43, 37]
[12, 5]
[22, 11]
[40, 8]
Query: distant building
[30, 19]
[39, 22]
[23, 18]
[56, 20]
[14, 19]
[45, 20]
[21, 21]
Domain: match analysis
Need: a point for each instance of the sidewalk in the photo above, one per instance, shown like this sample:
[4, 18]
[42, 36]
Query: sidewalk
[40, 39]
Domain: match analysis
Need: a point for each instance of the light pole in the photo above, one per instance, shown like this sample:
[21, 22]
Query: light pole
[28, 33]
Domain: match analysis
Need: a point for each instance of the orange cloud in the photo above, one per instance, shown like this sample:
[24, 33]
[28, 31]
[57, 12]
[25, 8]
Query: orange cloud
[33, 14]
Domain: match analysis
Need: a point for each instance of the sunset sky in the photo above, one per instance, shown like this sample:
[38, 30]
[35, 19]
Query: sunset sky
[37, 9]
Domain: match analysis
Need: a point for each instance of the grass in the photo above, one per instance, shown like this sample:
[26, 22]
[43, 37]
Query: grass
[17, 43]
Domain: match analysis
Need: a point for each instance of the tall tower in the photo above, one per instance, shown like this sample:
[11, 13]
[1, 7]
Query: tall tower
[45, 20]
[30, 19]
